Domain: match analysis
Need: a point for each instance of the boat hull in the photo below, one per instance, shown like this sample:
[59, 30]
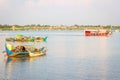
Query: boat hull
[97, 33]
[36, 54]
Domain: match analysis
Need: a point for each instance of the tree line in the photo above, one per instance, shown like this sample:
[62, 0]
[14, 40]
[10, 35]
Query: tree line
[56, 27]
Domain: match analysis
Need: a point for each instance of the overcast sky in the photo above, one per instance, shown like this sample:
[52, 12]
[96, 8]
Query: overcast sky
[60, 12]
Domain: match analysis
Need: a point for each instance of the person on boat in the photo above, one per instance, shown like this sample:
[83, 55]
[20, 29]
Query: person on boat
[17, 48]
[23, 49]
[20, 49]
[43, 49]
[37, 50]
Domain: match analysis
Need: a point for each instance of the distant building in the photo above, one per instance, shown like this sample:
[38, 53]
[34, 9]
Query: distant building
[13, 27]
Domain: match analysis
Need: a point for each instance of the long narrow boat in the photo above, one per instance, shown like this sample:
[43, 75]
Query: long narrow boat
[21, 38]
[28, 51]
[97, 33]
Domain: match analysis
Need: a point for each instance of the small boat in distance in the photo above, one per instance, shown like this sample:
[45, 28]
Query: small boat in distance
[23, 51]
[97, 32]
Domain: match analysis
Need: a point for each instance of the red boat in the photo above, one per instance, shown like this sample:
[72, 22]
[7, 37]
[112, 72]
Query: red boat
[97, 32]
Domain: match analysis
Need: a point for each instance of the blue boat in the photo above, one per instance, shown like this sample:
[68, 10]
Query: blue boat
[11, 53]
[20, 51]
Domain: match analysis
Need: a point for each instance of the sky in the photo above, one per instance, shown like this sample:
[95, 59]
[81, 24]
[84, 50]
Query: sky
[60, 12]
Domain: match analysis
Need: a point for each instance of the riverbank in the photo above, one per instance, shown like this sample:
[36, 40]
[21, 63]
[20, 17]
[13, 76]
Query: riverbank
[62, 27]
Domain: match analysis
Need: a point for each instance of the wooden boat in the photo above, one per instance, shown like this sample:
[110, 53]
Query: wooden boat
[97, 33]
[10, 52]
[21, 38]
[21, 51]
[36, 54]
[36, 51]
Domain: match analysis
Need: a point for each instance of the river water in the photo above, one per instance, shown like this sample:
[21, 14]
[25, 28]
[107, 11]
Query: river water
[71, 56]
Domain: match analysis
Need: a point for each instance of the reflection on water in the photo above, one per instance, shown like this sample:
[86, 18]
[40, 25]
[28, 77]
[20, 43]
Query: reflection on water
[13, 64]
[70, 56]
[9, 66]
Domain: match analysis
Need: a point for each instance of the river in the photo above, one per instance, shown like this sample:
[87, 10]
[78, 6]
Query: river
[71, 56]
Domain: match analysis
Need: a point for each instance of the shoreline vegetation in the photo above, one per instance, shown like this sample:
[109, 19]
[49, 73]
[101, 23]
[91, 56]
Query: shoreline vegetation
[60, 27]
